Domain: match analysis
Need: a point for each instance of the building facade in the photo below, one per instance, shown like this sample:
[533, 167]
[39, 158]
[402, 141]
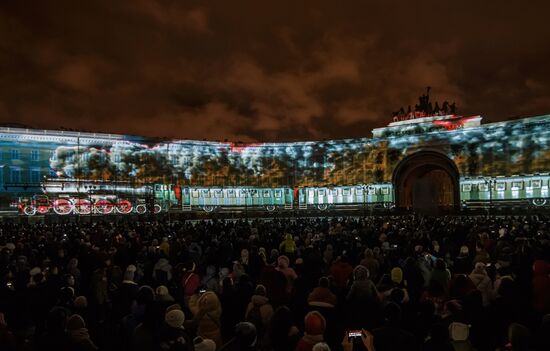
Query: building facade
[429, 160]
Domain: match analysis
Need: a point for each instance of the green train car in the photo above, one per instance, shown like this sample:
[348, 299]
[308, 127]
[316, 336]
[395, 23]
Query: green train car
[325, 197]
[531, 190]
[210, 198]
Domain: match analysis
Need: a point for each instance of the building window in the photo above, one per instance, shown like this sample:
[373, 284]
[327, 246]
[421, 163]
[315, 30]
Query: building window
[15, 175]
[15, 154]
[35, 175]
[35, 154]
[53, 156]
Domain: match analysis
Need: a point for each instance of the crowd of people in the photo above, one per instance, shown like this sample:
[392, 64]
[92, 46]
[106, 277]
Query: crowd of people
[369, 283]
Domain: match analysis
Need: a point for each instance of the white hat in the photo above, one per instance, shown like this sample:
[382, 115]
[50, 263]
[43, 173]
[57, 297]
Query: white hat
[459, 331]
[175, 318]
[204, 344]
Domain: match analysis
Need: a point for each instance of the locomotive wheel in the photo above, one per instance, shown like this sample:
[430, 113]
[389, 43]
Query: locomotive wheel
[322, 207]
[270, 208]
[141, 209]
[157, 208]
[62, 207]
[43, 209]
[103, 206]
[83, 206]
[124, 206]
[29, 210]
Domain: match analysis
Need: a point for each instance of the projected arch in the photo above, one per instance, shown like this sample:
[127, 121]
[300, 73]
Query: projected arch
[426, 182]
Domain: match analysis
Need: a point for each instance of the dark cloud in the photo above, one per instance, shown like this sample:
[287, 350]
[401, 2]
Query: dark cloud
[254, 70]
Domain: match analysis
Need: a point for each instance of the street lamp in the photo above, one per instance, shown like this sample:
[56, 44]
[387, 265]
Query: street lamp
[490, 182]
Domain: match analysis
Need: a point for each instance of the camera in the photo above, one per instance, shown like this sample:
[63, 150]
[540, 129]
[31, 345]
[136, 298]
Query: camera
[354, 335]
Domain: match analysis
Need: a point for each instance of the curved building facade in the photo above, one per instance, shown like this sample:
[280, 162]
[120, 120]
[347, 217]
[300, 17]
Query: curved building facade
[425, 163]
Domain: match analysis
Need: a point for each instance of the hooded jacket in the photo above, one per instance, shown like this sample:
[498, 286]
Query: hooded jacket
[541, 286]
[288, 245]
[207, 311]
[290, 274]
[482, 282]
[362, 287]
[266, 310]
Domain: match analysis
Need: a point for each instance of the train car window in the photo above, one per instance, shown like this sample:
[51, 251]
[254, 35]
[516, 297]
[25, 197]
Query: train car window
[321, 192]
[371, 191]
[358, 191]
[206, 193]
[255, 193]
[218, 193]
[346, 191]
[483, 187]
[334, 192]
[500, 186]
[243, 193]
[278, 193]
[385, 190]
[536, 183]
[517, 185]
[194, 193]
[157, 187]
[267, 193]
[466, 188]
[230, 193]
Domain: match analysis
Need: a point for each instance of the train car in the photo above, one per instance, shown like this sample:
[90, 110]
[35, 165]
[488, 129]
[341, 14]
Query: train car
[323, 198]
[528, 190]
[210, 198]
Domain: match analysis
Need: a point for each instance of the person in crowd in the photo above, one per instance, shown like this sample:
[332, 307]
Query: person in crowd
[322, 295]
[172, 335]
[541, 286]
[314, 330]
[245, 338]
[259, 311]
[207, 311]
[482, 282]
[282, 333]
[80, 338]
[391, 336]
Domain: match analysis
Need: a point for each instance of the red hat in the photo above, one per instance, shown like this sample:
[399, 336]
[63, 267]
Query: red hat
[315, 323]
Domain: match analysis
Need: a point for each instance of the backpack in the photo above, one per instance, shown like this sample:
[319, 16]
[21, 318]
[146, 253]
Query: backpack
[254, 316]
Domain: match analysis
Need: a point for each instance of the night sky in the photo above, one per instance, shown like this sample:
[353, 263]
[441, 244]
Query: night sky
[266, 70]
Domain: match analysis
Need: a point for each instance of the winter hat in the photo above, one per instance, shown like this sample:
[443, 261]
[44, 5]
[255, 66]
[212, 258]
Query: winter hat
[131, 268]
[175, 318]
[360, 273]
[204, 344]
[245, 333]
[35, 271]
[459, 331]
[162, 291]
[128, 275]
[81, 302]
[321, 346]
[173, 307]
[314, 323]
[75, 322]
[283, 261]
[519, 336]
[145, 295]
[479, 268]
[396, 275]
[260, 290]
[464, 250]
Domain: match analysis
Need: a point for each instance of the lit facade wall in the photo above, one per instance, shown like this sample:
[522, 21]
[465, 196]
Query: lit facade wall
[27, 157]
